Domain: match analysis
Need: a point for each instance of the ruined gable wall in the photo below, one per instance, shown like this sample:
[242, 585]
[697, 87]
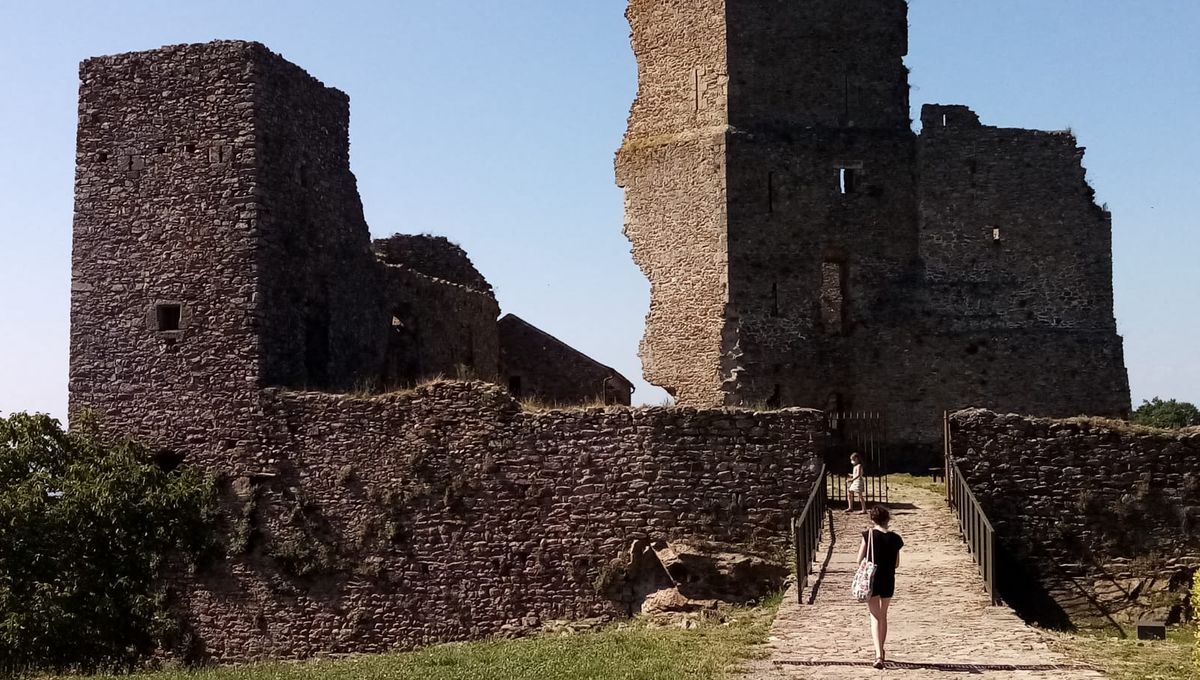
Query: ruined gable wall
[1108, 507]
[165, 213]
[437, 328]
[456, 516]
[672, 167]
[434, 256]
[1051, 266]
[538, 366]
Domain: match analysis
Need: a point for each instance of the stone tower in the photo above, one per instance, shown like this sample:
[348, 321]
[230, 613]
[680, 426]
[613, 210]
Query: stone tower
[806, 248]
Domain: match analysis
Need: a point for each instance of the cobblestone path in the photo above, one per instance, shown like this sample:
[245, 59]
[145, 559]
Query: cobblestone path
[941, 624]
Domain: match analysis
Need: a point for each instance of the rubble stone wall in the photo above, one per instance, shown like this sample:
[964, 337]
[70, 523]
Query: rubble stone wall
[536, 365]
[1107, 514]
[450, 514]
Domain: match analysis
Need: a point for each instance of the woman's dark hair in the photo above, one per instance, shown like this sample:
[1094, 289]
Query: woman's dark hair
[880, 515]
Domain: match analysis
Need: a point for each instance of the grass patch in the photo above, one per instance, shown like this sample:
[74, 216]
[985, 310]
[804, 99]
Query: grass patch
[1134, 659]
[924, 483]
[637, 650]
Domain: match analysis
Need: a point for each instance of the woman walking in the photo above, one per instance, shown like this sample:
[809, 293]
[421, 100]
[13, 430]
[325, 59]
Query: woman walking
[858, 485]
[881, 546]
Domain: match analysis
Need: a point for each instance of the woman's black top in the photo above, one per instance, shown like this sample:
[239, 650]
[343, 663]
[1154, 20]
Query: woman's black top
[884, 553]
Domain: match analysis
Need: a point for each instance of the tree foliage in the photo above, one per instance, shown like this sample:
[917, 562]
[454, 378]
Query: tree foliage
[1167, 414]
[87, 529]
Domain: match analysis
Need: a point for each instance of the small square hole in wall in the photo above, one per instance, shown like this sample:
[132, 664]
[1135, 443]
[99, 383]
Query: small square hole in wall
[169, 317]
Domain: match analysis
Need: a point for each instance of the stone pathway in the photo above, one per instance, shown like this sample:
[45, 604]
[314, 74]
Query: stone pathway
[941, 623]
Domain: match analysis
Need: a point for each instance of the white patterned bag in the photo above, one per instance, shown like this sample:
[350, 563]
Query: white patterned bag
[861, 587]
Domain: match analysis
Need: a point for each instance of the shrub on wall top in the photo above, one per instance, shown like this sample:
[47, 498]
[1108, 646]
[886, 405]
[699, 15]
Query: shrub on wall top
[86, 530]
[1169, 415]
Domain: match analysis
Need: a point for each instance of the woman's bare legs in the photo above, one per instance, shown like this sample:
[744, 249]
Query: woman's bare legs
[879, 624]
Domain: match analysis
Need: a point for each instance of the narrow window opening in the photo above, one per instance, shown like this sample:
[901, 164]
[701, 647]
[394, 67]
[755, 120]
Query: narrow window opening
[775, 299]
[833, 297]
[514, 386]
[770, 192]
[696, 89]
[996, 236]
[169, 317]
[190, 148]
[945, 120]
[847, 181]
[102, 157]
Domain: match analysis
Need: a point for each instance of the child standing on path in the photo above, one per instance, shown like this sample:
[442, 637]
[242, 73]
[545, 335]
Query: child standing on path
[881, 546]
[858, 485]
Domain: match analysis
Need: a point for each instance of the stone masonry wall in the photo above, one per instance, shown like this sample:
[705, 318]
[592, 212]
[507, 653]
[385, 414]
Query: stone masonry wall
[439, 328]
[434, 256]
[1104, 514]
[539, 366]
[449, 514]
[165, 218]
[829, 257]
[672, 167]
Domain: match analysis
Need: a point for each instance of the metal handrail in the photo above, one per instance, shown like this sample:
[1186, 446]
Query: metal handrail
[807, 529]
[976, 529]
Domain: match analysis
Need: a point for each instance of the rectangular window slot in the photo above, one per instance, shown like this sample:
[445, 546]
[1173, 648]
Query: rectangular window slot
[833, 297]
[770, 192]
[996, 235]
[847, 181]
[775, 299]
[169, 317]
[514, 386]
[945, 120]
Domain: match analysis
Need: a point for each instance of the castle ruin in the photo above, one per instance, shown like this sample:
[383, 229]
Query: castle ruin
[806, 248]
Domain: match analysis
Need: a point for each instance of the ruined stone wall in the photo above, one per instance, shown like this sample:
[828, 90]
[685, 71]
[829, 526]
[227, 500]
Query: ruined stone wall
[438, 328]
[1104, 515]
[672, 167]
[1011, 236]
[861, 267]
[434, 256]
[322, 322]
[449, 514]
[536, 365]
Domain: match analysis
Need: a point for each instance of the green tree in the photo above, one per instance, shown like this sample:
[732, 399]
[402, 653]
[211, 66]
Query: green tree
[1167, 414]
[87, 529]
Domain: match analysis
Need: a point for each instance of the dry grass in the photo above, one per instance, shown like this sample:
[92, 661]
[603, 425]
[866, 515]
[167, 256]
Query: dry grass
[1134, 659]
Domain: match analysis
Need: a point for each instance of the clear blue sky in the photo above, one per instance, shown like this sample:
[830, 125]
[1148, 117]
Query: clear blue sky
[495, 123]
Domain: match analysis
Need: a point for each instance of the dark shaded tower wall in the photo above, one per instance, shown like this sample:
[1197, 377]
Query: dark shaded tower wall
[821, 196]
[672, 167]
[164, 296]
[818, 63]
[324, 324]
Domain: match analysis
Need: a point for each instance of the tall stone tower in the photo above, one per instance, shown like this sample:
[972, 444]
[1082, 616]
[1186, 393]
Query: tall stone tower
[774, 199]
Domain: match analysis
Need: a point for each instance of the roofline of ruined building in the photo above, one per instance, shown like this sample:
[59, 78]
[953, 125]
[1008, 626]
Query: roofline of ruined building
[606, 367]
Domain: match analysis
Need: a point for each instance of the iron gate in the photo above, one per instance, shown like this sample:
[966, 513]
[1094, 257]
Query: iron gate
[862, 432]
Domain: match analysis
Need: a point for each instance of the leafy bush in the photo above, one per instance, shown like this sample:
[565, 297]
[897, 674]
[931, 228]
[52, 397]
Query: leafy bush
[1167, 414]
[87, 530]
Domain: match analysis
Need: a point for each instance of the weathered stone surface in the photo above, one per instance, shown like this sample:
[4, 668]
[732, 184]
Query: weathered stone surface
[1098, 512]
[805, 247]
[539, 366]
[224, 285]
